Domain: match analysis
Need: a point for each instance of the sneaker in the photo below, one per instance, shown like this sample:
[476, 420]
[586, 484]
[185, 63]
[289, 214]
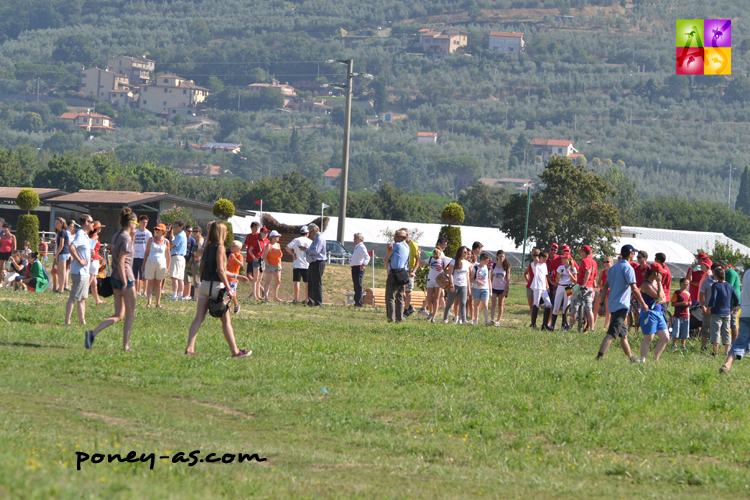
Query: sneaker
[451, 315]
[424, 312]
[186, 297]
[723, 370]
[642, 361]
[294, 302]
[432, 320]
[236, 309]
[89, 339]
[495, 323]
[675, 348]
[243, 354]
[459, 322]
[446, 321]
[684, 348]
[489, 323]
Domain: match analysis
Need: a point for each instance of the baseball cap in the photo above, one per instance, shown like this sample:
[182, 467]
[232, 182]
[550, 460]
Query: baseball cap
[566, 247]
[565, 254]
[274, 233]
[264, 229]
[303, 230]
[586, 248]
[161, 227]
[627, 250]
[657, 268]
[553, 245]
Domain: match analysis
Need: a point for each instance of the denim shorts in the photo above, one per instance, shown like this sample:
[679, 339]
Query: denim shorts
[742, 344]
[680, 328]
[63, 257]
[480, 293]
[258, 264]
[119, 285]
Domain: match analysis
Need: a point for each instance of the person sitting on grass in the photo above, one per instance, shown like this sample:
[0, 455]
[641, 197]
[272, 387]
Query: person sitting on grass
[213, 279]
[721, 305]
[681, 317]
[17, 270]
[38, 278]
[742, 344]
[234, 266]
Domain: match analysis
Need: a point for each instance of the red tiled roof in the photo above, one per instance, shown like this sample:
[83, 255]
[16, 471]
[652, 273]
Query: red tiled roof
[506, 34]
[427, 134]
[332, 172]
[73, 116]
[551, 142]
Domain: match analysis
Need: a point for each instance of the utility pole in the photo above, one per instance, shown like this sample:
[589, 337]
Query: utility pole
[344, 180]
[631, 114]
[37, 89]
[526, 230]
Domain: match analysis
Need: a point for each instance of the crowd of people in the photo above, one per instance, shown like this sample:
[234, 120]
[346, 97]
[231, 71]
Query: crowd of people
[628, 292]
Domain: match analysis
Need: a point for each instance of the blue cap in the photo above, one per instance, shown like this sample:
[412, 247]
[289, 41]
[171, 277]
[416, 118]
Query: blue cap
[627, 250]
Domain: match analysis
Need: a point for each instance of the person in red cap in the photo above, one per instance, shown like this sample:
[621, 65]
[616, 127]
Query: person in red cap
[652, 320]
[586, 276]
[697, 273]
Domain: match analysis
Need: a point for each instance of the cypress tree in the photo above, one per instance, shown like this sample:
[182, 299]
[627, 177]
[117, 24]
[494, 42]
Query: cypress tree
[743, 196]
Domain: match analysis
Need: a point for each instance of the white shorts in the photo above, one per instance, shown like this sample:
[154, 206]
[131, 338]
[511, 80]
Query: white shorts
[93, 267]
[177, 267]
[432, 284]
[155, 270]
[205, 286]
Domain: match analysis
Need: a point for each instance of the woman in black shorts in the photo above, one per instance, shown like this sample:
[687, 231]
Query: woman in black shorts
[500, 285]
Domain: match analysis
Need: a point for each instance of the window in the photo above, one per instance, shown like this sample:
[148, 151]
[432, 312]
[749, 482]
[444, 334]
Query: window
[145, 89]
[165, 103]
[84, 75]
[559, 150]
[145, 102]
[166, 80]
[165, 91]
[184, 91]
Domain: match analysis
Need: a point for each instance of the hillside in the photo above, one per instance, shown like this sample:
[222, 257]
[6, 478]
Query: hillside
[604, 80]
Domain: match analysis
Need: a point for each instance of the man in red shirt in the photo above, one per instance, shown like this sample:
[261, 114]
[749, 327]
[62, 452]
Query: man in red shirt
[587, 272]
[666, 277]
[641, 268]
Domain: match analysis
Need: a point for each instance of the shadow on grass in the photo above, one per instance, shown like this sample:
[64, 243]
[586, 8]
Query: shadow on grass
[26, 344]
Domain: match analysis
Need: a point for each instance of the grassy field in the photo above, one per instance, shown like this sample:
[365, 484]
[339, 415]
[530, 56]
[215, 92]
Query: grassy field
[343, 405]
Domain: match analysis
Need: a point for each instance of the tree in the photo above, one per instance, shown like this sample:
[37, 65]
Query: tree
[453, 213]
[625, 197]
[572, 207]
[58, 107]
[27, 227]
[12, 172]
[105, 108]
[224, 210]
[70, 173]
[292, 192]
[738, 90]
[259, 75]
[359, 116]
[75, 48]
[215, 84]
[743, 196]
[60, 142]
[31, 122]
[522, 149]
[483, 204]
[677, 86]
[199, 32]
[463, 170]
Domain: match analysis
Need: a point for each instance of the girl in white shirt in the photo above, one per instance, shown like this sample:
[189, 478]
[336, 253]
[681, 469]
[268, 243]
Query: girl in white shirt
[480, 288]
[539, 285]
[433, 289]
[458, 271]
[567, 274]
[500, 285]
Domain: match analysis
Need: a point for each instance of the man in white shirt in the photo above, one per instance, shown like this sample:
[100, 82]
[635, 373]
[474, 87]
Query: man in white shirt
[142, 235]
[80, 254]
[358, 261]
[300, 265]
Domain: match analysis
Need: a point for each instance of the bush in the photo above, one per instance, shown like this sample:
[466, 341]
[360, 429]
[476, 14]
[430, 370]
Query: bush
[420, 277]
[172, 215]
[27, 199]
[453, 213]
[27, 229]
[223, 209]
[453, 234]
[230, 235]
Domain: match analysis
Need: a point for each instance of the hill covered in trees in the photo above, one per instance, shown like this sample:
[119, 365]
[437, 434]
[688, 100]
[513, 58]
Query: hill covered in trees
[604, 80]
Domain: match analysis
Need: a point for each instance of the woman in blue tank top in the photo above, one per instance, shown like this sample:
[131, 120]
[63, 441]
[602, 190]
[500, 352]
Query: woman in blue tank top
[652, 321]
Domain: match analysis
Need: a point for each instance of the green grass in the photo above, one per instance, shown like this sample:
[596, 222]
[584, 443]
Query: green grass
[411, 410]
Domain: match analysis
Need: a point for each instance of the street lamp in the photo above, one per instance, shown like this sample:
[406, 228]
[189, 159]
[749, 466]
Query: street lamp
[344, 182]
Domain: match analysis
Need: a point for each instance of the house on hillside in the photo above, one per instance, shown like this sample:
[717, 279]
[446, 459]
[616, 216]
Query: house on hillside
[137, 69]
[426, 137]
[548, 147]
[99, 83]
[311, 106]
[521, 184]
[214, 147]
[330, 177]
[503, 41]
[287, 91]
[195, 170]
[168, 93]
[89, 121]
[442, 42]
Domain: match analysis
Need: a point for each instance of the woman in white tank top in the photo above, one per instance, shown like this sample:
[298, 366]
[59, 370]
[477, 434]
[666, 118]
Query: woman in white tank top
[156, 261]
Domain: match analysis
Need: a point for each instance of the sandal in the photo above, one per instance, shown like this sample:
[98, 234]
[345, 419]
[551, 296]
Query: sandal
[190, 353]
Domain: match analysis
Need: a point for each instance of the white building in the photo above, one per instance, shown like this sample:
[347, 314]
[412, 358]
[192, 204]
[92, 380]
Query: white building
[548, 147]
[503, 41]
[427, 138]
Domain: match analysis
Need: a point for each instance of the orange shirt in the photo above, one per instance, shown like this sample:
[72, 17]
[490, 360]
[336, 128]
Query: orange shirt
[233, 266]
[274, 255]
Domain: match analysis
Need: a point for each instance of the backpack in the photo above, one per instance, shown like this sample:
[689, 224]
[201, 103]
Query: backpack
[219, 306]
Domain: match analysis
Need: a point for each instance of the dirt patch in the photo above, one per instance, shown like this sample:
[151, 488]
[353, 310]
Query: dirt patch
[106, 418]
[224, 409]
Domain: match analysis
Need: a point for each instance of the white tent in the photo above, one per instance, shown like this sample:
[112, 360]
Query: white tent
[691, 240]
[653, 240]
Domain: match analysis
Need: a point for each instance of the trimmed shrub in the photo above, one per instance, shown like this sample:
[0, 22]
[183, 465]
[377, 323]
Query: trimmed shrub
[230, 235]
[223, 209]
[27, 229]
[453, 213]
[453, 233]
[27, 199]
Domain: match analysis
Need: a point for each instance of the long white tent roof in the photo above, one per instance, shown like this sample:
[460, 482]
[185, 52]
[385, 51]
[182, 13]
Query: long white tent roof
[679, 246]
